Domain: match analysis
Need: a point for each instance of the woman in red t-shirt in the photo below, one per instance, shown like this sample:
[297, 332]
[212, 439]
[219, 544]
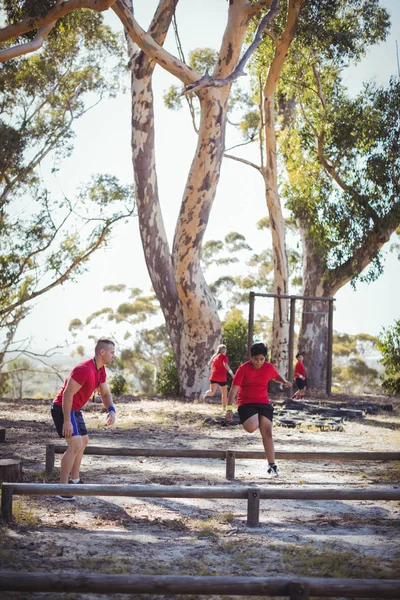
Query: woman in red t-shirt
[219, 367]
[250, 385]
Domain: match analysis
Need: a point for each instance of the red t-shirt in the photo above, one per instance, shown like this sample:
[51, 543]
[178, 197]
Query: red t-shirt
[218, 371]
[253, 383]
[89, 377]
[299, 370]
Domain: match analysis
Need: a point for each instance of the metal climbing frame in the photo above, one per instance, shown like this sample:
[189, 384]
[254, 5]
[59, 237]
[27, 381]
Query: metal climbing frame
[293, 299]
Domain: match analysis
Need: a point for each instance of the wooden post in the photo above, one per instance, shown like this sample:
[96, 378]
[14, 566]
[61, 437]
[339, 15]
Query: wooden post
[291, 344]
[50, 458]
[299, 590]
[10, 470]
[6, 502]
[2, 435]
[251, 322]
[330, 349]
[230, 464]
[253, 507]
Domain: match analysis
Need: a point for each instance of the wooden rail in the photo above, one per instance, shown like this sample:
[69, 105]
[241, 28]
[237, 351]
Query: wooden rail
[252, 494]
[292, 588]
[229, 456]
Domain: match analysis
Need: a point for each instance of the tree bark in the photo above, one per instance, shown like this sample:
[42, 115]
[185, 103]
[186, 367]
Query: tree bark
[280, 330]
[189, 309]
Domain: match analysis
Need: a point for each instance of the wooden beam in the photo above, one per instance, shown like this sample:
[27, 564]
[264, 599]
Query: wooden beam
[221, 454]
[166, 491]
[185, 584]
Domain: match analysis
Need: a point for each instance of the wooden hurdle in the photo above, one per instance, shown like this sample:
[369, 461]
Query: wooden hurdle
[229, 456]
[252, 494]
[289, 587]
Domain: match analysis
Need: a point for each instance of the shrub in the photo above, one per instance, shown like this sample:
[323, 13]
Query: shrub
[119, 385]
[234, 336]
[389, 345]
[167, 381]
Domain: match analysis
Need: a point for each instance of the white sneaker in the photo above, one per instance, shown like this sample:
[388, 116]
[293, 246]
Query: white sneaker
[273, 470]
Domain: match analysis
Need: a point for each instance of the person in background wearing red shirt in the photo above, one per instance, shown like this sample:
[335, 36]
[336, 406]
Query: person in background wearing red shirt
[220, 366]
[250, 385]
[79, 386]
[300, 377]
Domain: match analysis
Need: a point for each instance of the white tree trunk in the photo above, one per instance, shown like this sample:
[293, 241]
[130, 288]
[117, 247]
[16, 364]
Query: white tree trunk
[280, 330]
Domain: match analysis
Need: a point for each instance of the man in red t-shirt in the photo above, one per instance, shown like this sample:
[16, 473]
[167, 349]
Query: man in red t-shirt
[79, 386]
[300, 377]
[250, 385]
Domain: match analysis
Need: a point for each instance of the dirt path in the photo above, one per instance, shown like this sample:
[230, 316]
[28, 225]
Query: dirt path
[201, 537]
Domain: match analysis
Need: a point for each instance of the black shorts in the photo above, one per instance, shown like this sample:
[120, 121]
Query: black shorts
[257, 408]
[78, 424]
[221, 383]
[301, 383]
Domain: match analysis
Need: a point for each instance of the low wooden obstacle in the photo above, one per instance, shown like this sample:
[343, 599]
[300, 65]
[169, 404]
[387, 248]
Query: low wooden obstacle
[292, 588]
[252, 494]
[229, 456]
[2, 435]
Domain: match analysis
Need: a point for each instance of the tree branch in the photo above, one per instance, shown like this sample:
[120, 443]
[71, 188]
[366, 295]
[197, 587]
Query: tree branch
[64, 276]
[151, 48]
[60, 10]
[244, 161]
[207, 80]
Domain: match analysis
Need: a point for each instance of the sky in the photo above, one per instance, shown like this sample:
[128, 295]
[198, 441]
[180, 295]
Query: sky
[102, 145]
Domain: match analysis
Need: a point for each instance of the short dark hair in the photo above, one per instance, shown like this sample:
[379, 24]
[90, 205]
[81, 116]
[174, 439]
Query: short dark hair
[259, 348]
[299, 354]
[102, 343]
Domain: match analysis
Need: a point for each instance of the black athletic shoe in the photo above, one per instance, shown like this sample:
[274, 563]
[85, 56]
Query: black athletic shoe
[68, 498]
[80, 481]
[273, 471]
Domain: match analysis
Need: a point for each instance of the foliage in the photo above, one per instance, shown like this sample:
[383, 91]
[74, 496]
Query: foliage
[234, 336]
[389, 344]
[142, 348]
[46, 239]
[119, 385]
[167, 381]
[351, 373]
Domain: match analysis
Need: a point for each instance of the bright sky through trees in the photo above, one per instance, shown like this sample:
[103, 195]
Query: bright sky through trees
[240, 200]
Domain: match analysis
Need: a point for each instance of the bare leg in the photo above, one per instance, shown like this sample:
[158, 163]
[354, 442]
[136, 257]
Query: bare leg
[268, 442]
[224, 395]
[75, 444]
[209, 393]
[77, 462]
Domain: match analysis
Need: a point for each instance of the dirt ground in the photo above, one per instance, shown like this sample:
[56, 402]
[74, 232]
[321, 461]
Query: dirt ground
[357, 539]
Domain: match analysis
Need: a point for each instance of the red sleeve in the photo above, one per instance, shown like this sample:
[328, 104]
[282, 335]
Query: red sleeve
[80, 374]
[224, 358]
[239, 375]
[272, 372]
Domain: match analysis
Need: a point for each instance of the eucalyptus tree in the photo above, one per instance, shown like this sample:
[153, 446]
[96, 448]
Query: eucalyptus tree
[189, 309]
[47, 238]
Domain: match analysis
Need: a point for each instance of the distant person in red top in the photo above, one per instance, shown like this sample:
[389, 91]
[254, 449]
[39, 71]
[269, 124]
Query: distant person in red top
[300, 377]
[250, 384]
[219, 368]
[79, 386]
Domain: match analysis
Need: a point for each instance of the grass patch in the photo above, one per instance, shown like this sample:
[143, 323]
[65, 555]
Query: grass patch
[313, 561]
[23, 514]
[105, 564]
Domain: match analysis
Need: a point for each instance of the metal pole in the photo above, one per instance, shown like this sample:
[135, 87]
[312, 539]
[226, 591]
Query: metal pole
[291, 343]
[251, 322]
[330, 349]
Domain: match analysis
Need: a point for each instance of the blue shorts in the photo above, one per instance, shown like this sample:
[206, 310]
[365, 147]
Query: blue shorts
[78, 424]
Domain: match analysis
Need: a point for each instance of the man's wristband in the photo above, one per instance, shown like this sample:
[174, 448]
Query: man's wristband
[111, 409]
[229, 407]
